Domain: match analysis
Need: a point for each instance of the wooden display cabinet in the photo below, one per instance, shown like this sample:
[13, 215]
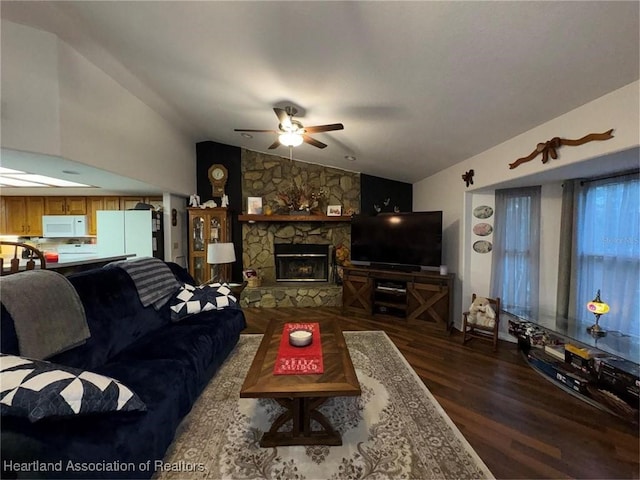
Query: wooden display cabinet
[414, 296]
[207, 225]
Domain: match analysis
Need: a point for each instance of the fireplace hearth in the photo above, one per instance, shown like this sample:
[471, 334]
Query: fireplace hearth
[301, 262]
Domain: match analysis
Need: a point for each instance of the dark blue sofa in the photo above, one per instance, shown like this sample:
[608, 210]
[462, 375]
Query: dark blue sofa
[167, 364]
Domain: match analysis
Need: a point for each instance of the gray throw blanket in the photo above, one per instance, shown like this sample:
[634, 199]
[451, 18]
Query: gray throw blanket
[47, 312]
[153, 279]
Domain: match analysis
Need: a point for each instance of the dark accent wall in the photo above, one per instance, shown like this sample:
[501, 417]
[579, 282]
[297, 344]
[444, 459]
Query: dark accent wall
[376, 191]
[208, 153]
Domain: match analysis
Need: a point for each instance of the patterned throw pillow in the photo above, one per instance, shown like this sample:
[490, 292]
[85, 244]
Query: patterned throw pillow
[37, 389]
[190, 300]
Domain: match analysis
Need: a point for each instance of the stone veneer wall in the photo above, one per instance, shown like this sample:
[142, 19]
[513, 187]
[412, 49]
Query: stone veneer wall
[292, 296]
[266, 175]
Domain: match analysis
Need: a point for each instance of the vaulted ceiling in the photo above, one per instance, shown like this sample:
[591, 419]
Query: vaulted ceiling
[419, 86]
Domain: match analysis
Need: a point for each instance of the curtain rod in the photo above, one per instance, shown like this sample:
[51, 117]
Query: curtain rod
[614, 175]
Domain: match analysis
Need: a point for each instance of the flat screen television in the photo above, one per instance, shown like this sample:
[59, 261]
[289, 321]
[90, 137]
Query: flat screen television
[397, 240]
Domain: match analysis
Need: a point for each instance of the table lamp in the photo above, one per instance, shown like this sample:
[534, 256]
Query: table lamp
[598, 308]
[219, 254]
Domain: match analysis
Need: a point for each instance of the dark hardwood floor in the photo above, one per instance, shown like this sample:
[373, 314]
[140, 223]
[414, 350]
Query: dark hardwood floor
[521, 425]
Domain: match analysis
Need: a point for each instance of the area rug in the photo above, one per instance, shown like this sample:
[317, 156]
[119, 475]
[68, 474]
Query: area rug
[395, 430]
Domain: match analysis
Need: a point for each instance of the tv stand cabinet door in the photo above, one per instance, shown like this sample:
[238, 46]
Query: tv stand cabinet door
[428, 302]
[357, 293]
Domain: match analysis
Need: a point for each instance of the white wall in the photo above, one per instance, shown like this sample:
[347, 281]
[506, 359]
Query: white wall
[56, 102]
[478, 265]
[550, 208]
[29, 87]
[446, 190]
[103, 125]
[175, 236]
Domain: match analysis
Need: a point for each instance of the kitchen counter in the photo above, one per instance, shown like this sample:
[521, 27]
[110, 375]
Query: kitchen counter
[72, 263]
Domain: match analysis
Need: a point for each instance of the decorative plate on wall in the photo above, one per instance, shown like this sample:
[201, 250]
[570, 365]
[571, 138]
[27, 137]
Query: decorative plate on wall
[482, 246]
[482, 229]
[483, 211]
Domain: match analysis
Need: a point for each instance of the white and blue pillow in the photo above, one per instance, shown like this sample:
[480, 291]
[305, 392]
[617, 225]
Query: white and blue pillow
[190, 300]
[37, 389]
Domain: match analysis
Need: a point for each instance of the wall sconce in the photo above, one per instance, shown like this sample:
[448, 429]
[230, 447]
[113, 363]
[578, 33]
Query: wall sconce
[598, 308]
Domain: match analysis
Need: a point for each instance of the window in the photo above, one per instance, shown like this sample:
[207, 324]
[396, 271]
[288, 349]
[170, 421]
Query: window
[607, 251]
[515, 268]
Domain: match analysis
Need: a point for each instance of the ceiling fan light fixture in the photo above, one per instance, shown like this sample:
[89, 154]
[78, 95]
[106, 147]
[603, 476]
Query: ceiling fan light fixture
[290, 139]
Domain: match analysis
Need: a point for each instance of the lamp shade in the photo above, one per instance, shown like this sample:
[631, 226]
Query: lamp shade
[218, 253]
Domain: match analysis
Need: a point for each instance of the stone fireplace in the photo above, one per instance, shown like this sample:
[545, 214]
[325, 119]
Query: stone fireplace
[298, 280]
[301, 262]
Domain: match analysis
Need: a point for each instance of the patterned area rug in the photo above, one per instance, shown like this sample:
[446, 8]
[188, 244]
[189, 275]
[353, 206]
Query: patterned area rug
[396, 429]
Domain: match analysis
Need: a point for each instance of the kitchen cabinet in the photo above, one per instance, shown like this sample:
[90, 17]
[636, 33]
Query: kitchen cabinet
[156, 202]
[207, 225]
[129, 203]
[23, 215]
[65, 205]
[99, 203]
[111, 203]
[3, 216]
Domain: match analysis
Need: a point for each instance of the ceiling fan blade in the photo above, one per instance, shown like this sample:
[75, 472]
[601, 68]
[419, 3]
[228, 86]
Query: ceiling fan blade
[324, 128]
[313, 141]
[275, 144]
[283, 116]
[255, 131]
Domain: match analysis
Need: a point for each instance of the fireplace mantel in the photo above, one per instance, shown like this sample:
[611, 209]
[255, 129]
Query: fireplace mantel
[293, 218]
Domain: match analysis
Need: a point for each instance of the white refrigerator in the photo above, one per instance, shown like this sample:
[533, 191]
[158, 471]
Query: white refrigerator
[129, 232]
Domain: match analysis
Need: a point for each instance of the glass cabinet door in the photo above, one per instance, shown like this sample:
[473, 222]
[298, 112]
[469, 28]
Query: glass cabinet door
[200, 270]
[214, 230]
[206, 226]
[198, 234]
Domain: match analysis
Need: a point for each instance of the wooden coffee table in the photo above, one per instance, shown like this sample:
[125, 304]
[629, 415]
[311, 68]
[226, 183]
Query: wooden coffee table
[301, 395]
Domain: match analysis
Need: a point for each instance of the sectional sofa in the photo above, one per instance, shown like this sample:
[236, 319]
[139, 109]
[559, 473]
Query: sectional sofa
[159, 365]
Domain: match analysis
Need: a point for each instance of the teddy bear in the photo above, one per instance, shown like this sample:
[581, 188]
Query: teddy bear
[481, 313]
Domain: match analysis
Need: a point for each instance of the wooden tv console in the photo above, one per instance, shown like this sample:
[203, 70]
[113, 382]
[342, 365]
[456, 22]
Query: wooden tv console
[415, 296]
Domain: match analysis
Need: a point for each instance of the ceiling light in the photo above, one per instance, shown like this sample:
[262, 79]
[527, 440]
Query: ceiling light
[17, 178]
[289, 139]
[14, 182]
[351, 158]
[9, 170]
[44, 180]
[246, 135]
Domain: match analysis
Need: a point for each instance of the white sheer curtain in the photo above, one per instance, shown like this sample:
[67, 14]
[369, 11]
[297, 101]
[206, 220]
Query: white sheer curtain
[607, 253]
[515, 268]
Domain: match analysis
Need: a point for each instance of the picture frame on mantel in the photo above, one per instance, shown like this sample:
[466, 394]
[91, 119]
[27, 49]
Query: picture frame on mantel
[334, 211]
[254, 205]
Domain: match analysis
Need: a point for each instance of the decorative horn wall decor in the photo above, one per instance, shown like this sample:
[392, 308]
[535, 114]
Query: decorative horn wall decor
[549, 149]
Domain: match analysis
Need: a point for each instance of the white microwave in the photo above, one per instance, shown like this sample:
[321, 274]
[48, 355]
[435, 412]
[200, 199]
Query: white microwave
[64, 226]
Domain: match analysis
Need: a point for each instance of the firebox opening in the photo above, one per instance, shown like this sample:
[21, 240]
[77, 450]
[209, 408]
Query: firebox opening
[301, 262]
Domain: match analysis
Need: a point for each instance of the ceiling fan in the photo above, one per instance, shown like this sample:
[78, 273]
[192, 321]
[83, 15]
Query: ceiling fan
[292, 133]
